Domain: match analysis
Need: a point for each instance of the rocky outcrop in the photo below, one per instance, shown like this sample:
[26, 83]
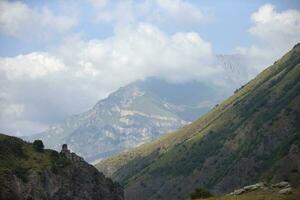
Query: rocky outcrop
[248, 188]
[285, 191]
[282, 187]
[282, 184]
[254, 187]
[50, 175]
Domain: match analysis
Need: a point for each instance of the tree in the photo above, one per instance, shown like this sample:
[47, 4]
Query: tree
[201, 193]
[38, 145]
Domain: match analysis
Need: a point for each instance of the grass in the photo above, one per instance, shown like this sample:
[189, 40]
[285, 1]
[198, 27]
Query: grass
[19, 157]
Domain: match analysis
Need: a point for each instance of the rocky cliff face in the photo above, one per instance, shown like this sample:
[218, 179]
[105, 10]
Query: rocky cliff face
[30, 173]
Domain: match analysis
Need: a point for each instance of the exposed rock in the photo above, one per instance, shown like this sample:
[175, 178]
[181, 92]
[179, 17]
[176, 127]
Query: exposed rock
[287, 190]
[254, 187]
[282, 184]
[238, 192]
[248, 188]
[284, 187]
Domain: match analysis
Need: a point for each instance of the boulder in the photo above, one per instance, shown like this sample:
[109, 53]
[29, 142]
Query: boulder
[238, 192]
[253, 187]
[282, 184]
[287, 190]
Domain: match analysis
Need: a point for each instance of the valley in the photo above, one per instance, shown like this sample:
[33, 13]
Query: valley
[249, 137]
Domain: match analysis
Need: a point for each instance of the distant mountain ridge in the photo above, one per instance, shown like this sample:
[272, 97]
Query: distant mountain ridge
[139, 113]
[127, 118]
[252, 136]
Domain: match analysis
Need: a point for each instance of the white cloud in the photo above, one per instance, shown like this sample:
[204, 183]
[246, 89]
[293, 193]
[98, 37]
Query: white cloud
[40, 88]
[180, 11]
[72, 77]
[157, 12]
[19, 20]
[117, 13]
[11, 111]
[34, 65]
[276, 28]
[140, 52]
[277, 32]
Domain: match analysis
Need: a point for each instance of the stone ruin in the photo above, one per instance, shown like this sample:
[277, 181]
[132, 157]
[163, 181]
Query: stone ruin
[69, 155]
[65, 149]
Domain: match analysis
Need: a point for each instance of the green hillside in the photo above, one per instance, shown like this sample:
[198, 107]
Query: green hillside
[28, 171]
[249, 137]
[19, 157]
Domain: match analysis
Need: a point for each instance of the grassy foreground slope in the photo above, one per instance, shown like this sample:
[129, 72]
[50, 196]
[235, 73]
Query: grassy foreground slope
[251, 136]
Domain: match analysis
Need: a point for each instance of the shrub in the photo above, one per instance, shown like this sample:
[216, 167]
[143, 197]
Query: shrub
[22, 173]
[11, 146]
[200, 193]
[38, 145]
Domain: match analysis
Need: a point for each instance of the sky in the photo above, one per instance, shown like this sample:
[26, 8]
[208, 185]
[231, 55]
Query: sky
[58, 58]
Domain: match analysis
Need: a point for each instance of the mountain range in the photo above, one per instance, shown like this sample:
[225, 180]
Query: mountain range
[140, 112]
[252, 136]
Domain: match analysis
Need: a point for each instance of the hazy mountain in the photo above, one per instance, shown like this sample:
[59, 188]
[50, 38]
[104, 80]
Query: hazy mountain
[134, 114]
[252, 136]
[27, 171]
[140, 112]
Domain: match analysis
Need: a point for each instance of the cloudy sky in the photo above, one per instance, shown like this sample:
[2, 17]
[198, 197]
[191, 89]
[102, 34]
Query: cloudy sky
[59, 57]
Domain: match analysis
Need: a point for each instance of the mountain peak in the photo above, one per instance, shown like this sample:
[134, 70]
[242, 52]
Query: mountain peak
[137, 113]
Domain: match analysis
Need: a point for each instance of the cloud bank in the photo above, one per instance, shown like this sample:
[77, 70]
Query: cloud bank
[44, 87]
[73, 76]
[276, 31]
[162, 13]
[21, 21]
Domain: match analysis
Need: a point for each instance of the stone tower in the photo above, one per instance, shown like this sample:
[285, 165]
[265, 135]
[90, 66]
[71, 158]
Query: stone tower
[65, 149]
